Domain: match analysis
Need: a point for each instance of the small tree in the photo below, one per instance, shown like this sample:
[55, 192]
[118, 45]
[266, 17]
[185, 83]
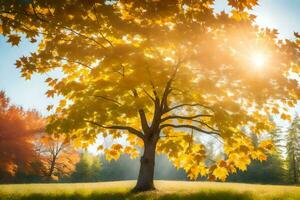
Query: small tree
[152, 71]
[57, 155]
[293, 151]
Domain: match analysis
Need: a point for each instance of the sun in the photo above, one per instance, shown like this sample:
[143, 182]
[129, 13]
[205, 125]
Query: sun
[258, 59]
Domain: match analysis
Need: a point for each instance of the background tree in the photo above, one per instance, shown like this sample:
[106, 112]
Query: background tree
[152, 71]
[88, 169]
[122, 169]
[270, 170]
[293, 151]
[57, 155]
[17, 131]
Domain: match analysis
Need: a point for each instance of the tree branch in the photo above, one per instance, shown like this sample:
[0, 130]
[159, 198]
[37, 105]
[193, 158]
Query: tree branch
[205, 124]
[147, 93]
[98, 21]
[77, 62]
[151, 82]
[119, 127]
[108, 99]
[184, 117]
[191, 105]
[144, 121]
[189, 126]
[142, 114]
[167, 91]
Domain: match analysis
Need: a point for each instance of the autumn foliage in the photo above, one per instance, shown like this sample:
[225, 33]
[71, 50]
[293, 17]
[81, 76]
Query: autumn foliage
[57, 156]
[164, 75]
[25, 147]
[17, 131]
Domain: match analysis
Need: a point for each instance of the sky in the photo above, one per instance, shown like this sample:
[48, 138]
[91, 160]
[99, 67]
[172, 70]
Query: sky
[283, 15]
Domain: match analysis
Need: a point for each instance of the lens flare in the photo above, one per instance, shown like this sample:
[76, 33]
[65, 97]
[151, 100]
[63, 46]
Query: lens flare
[259, 60]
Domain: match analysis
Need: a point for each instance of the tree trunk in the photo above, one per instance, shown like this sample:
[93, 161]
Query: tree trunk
[51, 170]
[146, 173]
[295, 169]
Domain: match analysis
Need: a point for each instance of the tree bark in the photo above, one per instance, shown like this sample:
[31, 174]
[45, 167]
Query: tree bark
[146, 173]
[295, 169]
[51, 170]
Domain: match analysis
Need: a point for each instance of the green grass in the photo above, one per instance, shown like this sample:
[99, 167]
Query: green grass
[166, 190]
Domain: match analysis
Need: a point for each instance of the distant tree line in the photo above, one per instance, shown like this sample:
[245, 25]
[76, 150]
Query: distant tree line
[122, 169]
[271, 171]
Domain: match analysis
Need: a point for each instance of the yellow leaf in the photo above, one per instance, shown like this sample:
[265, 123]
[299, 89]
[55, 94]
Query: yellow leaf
[203, 171]
[221, 173]
[116, 147]
[100, 148]
[49, 107]
[14, 39]
[62, 103]
[128, 150]
[267, 145]
[286, 117]
[50, 93]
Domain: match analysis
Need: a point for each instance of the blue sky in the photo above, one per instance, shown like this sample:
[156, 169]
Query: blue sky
[283, 15]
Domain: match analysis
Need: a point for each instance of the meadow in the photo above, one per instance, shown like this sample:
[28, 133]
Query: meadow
[166, 190]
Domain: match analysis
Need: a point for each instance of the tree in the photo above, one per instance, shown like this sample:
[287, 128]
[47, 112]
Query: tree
[17, 131]
[57, 155]
[269, 171]
[122, 169]
[164, 170]
[293, 151]
[153, 71]
[87, 169]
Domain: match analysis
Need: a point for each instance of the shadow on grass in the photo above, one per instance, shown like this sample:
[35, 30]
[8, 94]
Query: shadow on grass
[216, 195]
[207, 195]
[203, 195]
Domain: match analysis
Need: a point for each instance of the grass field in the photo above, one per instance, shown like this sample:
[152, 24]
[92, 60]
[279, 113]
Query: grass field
[166, 190]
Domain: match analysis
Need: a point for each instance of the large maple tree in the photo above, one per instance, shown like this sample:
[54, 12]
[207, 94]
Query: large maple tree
[161, 74]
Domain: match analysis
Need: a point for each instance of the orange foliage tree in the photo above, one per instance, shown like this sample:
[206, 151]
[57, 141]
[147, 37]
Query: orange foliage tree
[57, 155]
[164, 74]
[17, 132]
[25, 148]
